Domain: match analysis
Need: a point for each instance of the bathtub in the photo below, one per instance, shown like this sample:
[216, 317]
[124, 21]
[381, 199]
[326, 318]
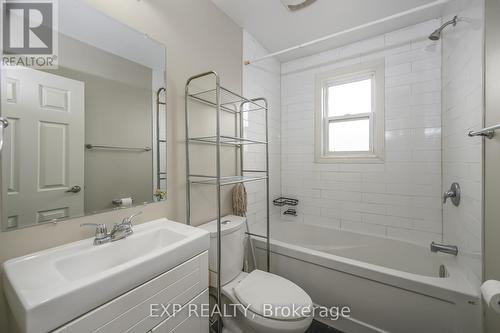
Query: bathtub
[389, 285]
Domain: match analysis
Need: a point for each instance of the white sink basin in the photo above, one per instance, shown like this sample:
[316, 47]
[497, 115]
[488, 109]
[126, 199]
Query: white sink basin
[84, 264]
[50, 288]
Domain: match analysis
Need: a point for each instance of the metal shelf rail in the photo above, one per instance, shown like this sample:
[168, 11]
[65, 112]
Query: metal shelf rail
[224, 100]
[161, 105]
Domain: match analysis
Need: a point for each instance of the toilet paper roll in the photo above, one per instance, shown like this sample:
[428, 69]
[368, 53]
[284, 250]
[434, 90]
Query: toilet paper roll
[491, 294]
[126, 202]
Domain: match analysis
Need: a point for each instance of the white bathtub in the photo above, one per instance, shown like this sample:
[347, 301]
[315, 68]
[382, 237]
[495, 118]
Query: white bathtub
[390, 286]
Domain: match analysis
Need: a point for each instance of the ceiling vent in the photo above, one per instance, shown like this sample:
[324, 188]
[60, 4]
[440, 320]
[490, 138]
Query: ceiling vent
[294, 5]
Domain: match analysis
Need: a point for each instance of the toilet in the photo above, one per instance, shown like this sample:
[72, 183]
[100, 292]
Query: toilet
[264, 302]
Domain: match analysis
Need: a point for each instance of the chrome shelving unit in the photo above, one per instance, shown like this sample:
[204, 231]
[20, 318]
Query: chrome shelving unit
[223, 100]
[161, 106]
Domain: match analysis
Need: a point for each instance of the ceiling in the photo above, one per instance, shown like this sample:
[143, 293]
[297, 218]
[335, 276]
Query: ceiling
[276, 28]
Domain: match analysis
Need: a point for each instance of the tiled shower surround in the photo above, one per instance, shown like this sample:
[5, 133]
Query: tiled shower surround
[262, 80]
[399, 198]
[463, 105]
[426, 146]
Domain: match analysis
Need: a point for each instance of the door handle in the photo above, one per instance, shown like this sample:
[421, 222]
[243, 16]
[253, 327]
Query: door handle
[74, 189]
[3, 124]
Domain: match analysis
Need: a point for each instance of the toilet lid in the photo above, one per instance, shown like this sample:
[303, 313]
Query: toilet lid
[272, 296]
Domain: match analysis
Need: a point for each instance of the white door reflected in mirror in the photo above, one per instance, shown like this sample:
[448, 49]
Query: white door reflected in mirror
[44, 146]
[89, 134]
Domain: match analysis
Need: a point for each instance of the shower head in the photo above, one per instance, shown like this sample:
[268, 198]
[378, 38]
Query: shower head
[436, 35]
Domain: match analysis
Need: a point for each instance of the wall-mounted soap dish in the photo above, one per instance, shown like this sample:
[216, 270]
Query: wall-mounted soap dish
[280, 202]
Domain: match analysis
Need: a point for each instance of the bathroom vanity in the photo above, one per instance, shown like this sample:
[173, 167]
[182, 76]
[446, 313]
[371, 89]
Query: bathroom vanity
[139, 310]
[143, 283]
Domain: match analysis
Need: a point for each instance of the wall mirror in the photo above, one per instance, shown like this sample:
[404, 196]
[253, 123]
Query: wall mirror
[90, 135]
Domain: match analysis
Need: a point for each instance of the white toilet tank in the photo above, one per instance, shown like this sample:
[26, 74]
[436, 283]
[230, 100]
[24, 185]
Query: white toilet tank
[232, 245]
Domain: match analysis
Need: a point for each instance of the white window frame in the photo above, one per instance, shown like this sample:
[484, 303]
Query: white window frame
[373, 70]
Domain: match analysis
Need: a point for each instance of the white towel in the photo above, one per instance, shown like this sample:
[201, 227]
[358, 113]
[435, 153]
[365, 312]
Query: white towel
[239, 200]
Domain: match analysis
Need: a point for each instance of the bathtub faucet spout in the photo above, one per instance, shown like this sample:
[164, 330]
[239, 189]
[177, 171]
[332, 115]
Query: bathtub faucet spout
[449, 249]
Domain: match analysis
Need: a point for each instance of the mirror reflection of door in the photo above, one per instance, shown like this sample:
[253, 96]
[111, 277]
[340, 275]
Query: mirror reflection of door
[101, 95]
[45, 144]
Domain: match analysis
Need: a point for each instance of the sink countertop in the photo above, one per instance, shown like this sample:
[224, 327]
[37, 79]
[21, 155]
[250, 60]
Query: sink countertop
[64, 282]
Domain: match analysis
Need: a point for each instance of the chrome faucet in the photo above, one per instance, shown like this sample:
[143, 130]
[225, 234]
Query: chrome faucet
[448, 249]
[119, 231]
[101, 233]
[124, 229]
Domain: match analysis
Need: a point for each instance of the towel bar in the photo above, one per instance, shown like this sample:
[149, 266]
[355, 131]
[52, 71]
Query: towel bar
[90, 146]
[488, 132]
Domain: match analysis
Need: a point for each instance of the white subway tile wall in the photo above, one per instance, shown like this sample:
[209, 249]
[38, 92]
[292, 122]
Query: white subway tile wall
[262, 80]
[462, 156]
[400, 198]
[426, 148]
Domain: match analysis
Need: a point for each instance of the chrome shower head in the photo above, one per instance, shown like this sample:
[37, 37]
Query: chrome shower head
[436, 35]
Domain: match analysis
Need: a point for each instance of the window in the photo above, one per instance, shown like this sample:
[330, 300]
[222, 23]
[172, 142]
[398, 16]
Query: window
[350, 115]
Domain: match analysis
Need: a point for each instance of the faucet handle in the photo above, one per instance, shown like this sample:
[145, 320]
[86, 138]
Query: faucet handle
[128, 220]
[101, 230]
[448, 194]
[454, 194]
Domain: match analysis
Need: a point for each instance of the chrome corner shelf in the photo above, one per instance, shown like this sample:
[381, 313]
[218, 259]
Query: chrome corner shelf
[224, 100]
[283, 201]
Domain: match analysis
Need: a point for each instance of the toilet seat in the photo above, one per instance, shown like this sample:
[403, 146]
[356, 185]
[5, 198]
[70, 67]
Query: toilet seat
[273, 297]
[260, 323]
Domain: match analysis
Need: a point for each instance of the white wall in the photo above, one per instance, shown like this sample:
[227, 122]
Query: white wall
[400, 198]
[462, 112]
[262, 80]
[123, 89]
[198, 37]
[492, 155]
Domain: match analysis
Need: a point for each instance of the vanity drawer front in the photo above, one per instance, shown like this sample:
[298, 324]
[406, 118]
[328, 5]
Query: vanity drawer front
[133, 307]
[182, 322]
[139, 318]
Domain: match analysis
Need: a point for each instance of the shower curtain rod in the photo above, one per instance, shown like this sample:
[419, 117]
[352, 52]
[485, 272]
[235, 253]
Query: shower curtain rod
[360, 27]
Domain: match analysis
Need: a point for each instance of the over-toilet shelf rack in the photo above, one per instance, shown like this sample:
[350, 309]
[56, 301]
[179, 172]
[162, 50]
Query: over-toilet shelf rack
[227, 99]
[223, 100]
[161, 107]
[227, 140]
[224, 181]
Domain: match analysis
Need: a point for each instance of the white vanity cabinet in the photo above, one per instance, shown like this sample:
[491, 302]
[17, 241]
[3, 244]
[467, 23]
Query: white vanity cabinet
[183, 285]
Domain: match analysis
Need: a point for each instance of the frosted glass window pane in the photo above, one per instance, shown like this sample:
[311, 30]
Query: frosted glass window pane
[350, 98]
[351, 135]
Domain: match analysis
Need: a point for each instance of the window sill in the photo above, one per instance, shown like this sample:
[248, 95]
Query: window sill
[346, 159]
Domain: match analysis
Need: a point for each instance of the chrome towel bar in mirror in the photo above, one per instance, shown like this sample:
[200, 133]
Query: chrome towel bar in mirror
[488, 132]
[92, 147]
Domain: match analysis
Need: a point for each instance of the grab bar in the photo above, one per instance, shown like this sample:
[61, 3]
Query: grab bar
[4, 123]
[90, 146]
[488, 132]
